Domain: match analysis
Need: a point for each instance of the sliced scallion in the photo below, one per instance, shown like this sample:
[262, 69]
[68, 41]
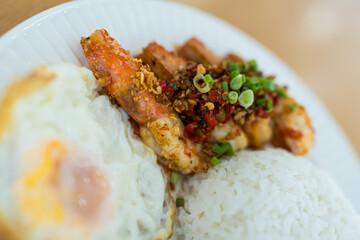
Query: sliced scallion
[237, 82]
[253, 65]
[174, 178]
[252, 83]
[233, 97]
[220, 149]
[281, 93]
[293, 107]
[234, 66]
[204, 89]
[267, 84]
[208, 79]
[215, 161]
[225, 86]
[265, 102]
[228, 63]
[261, 102]
[229, 149]
[245, 66]
[269, 106]
[234, 73]
[246, 98]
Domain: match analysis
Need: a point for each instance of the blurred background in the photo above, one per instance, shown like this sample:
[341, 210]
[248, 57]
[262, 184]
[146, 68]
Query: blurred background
[318, 39]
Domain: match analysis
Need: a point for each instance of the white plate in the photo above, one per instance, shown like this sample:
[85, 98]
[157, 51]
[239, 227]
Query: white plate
[53, 36]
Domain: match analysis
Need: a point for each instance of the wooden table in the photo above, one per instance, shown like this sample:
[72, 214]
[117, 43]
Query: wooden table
[320, 40]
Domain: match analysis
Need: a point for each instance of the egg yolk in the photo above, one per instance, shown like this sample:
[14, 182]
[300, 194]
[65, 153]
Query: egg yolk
[40, 201]
[63, 187]
[84, 188]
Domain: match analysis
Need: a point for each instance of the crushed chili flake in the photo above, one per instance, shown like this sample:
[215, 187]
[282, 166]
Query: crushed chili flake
[190, 70]
[200, 139]
[232, 107]
[274, 97]
[137, 130]
[165, 89]
[196, 95]
[135, 125]
[210, 120]
[214, 96]
[167, 167]
[261, 113]
[191, 109]
[228, 113]
[190, 127]
[291, 133]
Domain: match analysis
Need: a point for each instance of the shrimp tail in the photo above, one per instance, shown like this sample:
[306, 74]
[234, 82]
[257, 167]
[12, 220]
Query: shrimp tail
[124, 77]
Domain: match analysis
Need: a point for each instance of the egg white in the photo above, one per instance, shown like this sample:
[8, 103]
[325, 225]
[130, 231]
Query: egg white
[67, 145]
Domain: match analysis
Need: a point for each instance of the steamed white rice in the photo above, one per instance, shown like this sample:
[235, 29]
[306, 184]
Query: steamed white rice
[265, 195]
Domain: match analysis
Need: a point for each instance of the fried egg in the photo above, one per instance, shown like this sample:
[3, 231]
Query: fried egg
[71, 167]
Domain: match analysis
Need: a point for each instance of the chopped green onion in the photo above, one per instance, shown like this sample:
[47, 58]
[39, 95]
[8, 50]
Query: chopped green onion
[267, 84]
[224, 97]
[215, 161]
[265, 102]
[174, 178]
[253, 65]
[234, 73]
[252, 80]
[246, 98]
[293, 107]
[244, 88]
[281, 93]
[225, 86]
[252, 83]
[180, 202]
[220, 149]
[237, 82]
[208, 79]
[234, 66]
[245, 66]
[261, 102]
[204, 89]
[233, 97]
[230, 150]
[228, 63]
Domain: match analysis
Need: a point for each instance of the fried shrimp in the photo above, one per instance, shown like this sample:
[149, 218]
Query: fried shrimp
[232, 133]
[137, 90]
[259, 132]
[293, 129]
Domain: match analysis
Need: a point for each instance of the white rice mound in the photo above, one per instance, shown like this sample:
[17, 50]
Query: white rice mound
[263, 195]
